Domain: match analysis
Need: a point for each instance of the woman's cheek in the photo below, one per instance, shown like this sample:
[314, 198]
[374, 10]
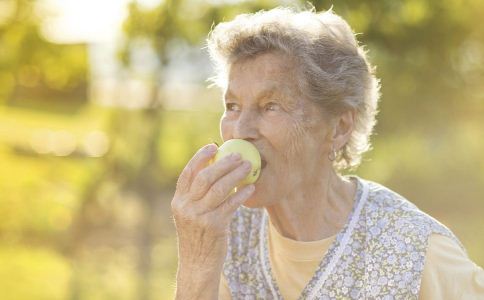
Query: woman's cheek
[291, 139]
[225, 131]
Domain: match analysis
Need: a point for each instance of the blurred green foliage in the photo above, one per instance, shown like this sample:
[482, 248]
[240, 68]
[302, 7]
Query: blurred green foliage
[33, 71]
[84, 194]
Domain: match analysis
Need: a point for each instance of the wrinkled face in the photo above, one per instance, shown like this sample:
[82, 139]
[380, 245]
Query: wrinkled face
[263, 105]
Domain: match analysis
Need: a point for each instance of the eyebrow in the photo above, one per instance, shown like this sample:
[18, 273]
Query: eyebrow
[264, 94]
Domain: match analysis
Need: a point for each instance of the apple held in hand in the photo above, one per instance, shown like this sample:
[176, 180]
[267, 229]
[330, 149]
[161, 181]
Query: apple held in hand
[248, 152]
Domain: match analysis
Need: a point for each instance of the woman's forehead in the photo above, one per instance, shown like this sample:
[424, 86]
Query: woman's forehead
[268, 64]
[265, 74]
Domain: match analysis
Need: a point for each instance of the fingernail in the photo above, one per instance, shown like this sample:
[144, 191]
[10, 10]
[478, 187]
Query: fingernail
[211, 148]
[247, 165]
[235, 156]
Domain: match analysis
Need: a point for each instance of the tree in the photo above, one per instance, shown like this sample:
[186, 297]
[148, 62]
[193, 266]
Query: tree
[51, 77]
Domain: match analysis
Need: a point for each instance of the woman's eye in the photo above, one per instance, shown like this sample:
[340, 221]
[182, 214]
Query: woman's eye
[272, 106]
[231, 107]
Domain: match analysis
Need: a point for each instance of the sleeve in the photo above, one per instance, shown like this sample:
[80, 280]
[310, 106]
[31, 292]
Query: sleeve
[224, 290]
[448, 272]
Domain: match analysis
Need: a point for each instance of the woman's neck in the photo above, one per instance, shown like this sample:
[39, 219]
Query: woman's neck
[311, 213]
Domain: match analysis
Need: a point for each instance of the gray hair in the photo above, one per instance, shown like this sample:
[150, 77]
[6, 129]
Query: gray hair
[334, 70]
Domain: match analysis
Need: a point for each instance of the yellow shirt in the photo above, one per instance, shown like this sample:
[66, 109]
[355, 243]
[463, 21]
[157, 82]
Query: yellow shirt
[448, 273]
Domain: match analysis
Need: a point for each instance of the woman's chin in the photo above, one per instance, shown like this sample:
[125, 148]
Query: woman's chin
[255, 201]
[260, 197]
[252, 203]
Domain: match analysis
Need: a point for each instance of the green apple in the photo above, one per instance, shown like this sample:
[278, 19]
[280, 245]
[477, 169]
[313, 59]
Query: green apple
[248, 152]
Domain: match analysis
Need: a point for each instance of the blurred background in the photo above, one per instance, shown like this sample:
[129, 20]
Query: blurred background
[103, 102]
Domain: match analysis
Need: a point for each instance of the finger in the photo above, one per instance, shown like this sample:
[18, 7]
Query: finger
[220, 190]
[193, 167]
[228, 207]
[211, 174]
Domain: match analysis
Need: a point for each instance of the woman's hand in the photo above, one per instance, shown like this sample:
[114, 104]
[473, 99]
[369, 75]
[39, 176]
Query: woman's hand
[202, 210]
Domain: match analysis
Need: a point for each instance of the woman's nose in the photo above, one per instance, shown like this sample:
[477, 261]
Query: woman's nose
[246, 126]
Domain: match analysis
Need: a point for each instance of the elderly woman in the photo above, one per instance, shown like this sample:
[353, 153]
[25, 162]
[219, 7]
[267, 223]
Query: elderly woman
[299, 87]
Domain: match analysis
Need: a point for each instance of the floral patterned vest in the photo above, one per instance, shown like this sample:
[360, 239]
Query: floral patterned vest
[379, 254]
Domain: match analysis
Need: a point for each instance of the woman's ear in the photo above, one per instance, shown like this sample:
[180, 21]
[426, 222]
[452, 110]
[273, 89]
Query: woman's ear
[342, 128]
